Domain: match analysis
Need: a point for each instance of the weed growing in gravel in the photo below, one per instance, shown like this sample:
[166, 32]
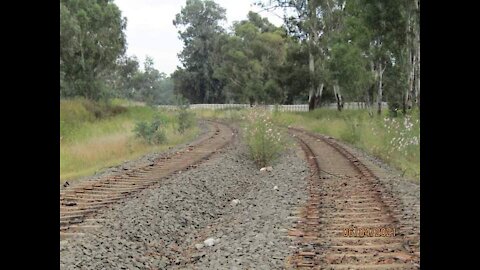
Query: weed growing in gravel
[264, 140]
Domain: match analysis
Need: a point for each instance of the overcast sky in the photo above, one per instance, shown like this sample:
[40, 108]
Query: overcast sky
[150, 30]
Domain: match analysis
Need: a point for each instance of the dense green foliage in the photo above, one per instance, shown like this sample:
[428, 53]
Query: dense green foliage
[200, 32]
[151, 132]
[252, 57]
[328, 50]
[93, 63]
[91, 40]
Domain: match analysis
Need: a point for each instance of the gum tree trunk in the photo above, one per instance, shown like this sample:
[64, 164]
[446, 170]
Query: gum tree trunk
[380, 88]
[338, 96]
[313, 38]
[417, 73]
[311, 92]
[318, 95]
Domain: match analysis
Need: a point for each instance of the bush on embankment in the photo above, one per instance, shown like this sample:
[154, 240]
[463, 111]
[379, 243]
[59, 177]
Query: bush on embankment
[95, 136]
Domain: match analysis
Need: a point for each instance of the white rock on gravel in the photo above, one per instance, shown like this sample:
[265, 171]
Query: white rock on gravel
[268, 169]
[210, 242]
[234, 202]
[275, 187]
[199, 246]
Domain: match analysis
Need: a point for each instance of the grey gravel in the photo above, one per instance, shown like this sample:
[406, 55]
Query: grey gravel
[163, 227]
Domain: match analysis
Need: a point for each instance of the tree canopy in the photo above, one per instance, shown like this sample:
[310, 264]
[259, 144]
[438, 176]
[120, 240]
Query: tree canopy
[91, 41]
[326, 51]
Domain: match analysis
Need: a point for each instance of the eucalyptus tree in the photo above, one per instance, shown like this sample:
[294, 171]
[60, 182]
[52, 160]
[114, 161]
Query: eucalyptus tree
[348, 53]
[311, 21]
[69, 46]
[252, 58]
[291, 75]
[412, 95]
[386, 21]
[199, 27]
[92, 38]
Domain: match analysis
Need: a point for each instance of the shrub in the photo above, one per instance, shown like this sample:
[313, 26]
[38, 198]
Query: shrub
[184, 117]
[151, 133]
[264, 140]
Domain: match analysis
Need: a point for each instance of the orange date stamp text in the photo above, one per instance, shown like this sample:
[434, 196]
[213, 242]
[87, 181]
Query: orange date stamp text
[369, 232]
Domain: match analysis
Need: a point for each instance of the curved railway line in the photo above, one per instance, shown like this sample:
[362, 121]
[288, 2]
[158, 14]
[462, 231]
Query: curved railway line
[340, 226]
[79, 203]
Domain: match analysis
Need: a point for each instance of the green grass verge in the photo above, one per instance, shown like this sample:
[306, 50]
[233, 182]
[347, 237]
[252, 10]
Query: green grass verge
[95, 136]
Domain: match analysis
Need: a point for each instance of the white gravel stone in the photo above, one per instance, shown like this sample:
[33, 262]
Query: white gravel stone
[210, 242]
[234, 202]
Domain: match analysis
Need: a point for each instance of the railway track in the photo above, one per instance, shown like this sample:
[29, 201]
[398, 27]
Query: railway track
[347, 222]
[80, 203]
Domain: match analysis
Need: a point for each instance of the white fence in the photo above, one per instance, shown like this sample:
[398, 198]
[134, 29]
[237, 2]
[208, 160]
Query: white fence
[282, 108]
[355, 105]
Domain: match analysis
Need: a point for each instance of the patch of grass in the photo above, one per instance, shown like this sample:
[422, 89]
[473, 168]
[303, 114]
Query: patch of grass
[394, 140]
[89, 144]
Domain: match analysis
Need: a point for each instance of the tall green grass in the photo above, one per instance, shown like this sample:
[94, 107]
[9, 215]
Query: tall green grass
[95, 136]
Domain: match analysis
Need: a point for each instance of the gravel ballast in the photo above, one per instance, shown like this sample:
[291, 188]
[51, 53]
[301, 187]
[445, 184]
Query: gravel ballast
[226, 214]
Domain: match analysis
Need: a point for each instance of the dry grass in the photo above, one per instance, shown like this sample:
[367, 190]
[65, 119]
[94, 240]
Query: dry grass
[89, 145]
